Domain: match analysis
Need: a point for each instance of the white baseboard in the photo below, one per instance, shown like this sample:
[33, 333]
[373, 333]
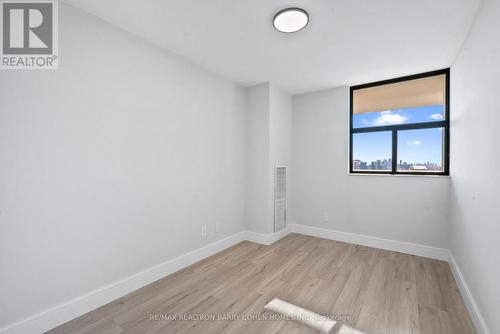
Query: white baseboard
[72, 309]
[365, 240]
[267, 239]
[407, 248]
[478, 320]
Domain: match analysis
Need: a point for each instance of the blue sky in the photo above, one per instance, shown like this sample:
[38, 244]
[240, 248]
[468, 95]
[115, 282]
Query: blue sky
[414, 146]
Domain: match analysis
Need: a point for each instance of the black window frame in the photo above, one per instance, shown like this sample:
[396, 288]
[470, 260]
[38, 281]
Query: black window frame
[445, 124]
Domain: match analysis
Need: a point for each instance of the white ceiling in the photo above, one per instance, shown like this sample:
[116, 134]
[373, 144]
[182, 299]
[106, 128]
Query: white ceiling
[346, 42]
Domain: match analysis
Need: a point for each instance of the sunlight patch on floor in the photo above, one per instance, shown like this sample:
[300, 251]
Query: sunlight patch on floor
[344, 329]
[293, 312]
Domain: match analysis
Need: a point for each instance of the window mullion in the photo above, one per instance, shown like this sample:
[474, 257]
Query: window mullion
[394, 151]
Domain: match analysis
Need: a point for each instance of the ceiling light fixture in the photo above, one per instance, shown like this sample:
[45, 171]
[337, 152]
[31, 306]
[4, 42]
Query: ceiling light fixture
[290, 20]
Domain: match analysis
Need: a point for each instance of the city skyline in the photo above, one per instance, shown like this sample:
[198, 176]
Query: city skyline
[415, 147]
[386, 165]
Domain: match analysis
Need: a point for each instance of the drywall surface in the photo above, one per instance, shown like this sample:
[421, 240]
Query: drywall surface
[110, 165]
[280, 125]
[258, 200]
[404, 208]
[475, 161]
[268, 144]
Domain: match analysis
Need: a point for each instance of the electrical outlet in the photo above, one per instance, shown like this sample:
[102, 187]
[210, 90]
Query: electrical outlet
[217, 227]
[204, 230]
[325, 217]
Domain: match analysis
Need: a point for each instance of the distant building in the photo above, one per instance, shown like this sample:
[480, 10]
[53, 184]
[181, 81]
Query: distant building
[386, 164]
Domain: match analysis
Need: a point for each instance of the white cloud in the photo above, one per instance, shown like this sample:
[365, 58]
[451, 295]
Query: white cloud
[388, 118]
[415, 142]
[436, 117]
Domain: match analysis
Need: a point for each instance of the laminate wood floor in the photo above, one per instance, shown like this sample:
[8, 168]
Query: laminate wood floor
[370, 290]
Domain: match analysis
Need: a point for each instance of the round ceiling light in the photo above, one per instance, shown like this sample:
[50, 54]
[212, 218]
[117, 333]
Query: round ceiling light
[290, 20]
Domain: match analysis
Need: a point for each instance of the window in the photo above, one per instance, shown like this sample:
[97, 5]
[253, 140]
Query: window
[401, 126]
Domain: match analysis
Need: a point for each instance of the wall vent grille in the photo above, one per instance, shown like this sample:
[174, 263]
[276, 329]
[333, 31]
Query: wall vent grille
[279, 198]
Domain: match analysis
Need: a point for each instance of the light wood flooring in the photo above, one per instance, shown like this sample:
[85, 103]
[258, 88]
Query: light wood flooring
[381, 292]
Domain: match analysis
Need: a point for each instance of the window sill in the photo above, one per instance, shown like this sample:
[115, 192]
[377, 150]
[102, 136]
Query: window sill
[399, 175]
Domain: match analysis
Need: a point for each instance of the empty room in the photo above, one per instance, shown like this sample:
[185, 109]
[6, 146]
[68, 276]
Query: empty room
[257, 166]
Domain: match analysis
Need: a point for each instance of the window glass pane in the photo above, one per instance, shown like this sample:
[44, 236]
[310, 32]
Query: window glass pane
[372, 151]
[421, 150]
[400, 116]
[404, 102]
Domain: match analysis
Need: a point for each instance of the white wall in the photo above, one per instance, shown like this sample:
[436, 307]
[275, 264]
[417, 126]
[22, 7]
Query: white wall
[403, 208]
[280, 125]
[258, 209]
[110, 165]
[475, 162]
[268, 135]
